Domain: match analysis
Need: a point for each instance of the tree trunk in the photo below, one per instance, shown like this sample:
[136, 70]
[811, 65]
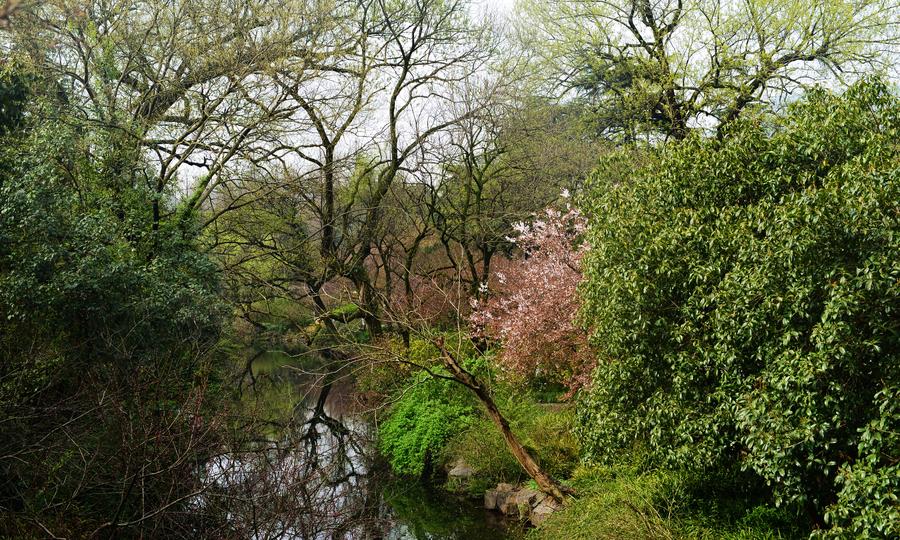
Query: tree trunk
[368, 302]
[545, 482]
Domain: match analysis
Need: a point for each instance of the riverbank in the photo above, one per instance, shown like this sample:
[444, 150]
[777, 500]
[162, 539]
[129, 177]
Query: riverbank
[626, 499]
[446, 500]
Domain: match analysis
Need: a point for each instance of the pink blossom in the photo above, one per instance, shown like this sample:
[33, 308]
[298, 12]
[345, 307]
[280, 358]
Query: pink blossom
[534, 302]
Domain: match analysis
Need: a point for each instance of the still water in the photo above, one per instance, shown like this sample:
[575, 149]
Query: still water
[323, 461]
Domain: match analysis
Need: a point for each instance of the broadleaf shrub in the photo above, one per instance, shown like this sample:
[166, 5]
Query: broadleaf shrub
[744, 293]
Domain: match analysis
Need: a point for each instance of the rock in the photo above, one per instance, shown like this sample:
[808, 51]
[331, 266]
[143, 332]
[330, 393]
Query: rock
[525, 499]
[513, 501]
[506, 501]
[542, 511]
[509, 506]
[461, 470]
[490, 499]
[527, 496]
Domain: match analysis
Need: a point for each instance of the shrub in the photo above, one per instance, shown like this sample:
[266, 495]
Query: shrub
[747, 292]
[481, 446]
[428, 413]
[868, 503]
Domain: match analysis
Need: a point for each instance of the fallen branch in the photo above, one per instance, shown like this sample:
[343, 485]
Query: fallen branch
[545, 482]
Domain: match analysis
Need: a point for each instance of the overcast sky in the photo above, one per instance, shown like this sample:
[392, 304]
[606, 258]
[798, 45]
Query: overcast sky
[499, 5]
[502, 4]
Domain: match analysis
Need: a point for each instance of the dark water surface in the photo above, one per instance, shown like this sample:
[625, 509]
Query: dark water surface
[331, 433]
[419, 512]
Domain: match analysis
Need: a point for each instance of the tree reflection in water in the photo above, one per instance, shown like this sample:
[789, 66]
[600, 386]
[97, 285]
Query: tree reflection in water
[314, 475]
[309, 480]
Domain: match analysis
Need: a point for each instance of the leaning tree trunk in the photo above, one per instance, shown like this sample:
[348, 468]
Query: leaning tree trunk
[545, 482]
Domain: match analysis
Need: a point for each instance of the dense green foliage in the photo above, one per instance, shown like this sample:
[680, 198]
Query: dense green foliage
[88, 266]
[105, 325]
[427, 415]
[628, 500]
[868, 498]
[433, 422]
[744, 293]
[13, 96]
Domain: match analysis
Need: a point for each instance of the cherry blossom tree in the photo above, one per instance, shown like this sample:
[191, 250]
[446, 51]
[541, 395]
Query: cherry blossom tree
[533, 302]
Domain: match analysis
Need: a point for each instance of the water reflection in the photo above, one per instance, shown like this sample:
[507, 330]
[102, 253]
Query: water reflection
[314, 476]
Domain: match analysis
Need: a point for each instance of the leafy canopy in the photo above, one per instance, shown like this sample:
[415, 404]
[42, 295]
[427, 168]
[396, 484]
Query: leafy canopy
[746, 293]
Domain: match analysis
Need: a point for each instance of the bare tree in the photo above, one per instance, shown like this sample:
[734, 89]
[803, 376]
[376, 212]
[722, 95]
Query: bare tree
[180, 81]
[380, 106]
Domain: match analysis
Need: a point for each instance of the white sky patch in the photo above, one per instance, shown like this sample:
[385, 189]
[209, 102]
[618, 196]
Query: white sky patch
[502, 7]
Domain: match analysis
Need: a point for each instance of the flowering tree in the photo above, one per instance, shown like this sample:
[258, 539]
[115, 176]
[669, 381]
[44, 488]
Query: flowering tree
[534, 301]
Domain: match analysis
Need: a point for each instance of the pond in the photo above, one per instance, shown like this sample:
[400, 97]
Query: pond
[323, 465]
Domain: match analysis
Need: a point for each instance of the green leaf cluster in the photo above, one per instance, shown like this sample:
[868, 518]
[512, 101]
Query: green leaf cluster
[84, 264]
[422, 421]
[744, 293]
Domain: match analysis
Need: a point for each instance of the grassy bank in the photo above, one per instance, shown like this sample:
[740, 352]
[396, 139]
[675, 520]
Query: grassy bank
[624, 501]
[627, 499]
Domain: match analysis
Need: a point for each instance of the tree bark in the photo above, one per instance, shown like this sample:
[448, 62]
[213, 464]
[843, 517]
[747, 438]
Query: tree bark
[545, 482]
[368, 301]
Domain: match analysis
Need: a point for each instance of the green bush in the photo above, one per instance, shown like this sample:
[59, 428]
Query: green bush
[744, 294]
[436, 421]
[428, 413]
[868, 503]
